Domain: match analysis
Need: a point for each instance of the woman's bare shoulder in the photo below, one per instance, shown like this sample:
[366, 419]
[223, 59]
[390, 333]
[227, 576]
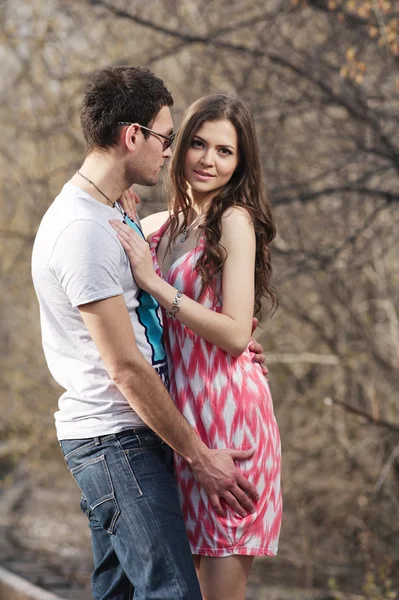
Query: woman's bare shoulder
[236, 214]
[153, 223]
[236, 220]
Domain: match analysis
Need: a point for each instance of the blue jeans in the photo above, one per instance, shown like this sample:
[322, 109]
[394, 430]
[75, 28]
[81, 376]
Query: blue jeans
[130, 497]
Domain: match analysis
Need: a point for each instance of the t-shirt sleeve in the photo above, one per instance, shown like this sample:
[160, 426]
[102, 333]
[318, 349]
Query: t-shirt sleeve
[86, 260]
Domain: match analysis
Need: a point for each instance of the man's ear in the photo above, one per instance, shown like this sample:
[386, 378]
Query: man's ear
[130, 136]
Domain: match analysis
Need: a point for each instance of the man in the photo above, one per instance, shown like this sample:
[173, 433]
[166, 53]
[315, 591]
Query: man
[102, 338]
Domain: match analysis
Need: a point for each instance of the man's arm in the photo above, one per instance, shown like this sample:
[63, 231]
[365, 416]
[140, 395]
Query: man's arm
[110, 327]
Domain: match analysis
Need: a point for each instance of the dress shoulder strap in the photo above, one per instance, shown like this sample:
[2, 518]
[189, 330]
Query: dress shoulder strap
[157, 236]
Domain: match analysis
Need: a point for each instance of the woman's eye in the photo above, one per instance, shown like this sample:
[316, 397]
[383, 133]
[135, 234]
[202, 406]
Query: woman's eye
[196, 144]
[226, 151]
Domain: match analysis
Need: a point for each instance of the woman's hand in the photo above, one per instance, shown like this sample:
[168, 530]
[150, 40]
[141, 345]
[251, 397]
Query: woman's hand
[129, 201]
[139, 254]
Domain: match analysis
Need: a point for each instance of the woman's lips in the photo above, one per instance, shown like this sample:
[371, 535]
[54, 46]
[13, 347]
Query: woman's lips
[203, 175]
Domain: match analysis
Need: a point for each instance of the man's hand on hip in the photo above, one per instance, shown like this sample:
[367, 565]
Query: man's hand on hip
[257, 349]
[217, 473]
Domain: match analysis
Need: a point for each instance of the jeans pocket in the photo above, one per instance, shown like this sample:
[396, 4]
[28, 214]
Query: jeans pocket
[98, 495]
[72, 447]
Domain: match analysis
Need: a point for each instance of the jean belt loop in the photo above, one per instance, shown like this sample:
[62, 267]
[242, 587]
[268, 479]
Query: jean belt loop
[97, 441]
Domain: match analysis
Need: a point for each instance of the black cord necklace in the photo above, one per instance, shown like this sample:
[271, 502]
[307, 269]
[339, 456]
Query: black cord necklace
[97, 188]
[113, 204]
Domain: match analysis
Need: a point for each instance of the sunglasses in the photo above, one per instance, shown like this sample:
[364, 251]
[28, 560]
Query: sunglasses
[168, 138]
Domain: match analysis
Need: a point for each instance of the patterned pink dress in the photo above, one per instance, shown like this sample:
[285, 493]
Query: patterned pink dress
[228, 402]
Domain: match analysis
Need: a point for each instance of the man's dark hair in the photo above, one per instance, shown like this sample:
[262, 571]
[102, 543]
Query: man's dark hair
[114, 94]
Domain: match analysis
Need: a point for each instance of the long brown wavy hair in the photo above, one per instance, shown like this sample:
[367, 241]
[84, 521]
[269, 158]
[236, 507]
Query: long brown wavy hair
[246, 188]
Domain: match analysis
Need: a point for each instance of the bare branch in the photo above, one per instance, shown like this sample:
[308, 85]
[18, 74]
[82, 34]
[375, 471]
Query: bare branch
[303, 357]
[359, 411]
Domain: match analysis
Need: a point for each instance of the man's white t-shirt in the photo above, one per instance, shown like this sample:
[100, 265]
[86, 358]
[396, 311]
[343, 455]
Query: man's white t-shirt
[77, 258]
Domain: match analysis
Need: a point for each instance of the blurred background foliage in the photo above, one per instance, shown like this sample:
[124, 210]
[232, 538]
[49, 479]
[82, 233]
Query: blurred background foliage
[321, 79]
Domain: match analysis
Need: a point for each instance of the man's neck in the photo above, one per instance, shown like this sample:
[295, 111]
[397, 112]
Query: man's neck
[101, 176]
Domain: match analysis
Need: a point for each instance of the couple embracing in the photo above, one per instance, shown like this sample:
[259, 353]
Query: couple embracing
[167, 421]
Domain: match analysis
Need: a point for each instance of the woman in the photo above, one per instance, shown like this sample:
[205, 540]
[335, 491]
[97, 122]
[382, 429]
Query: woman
[209, 267]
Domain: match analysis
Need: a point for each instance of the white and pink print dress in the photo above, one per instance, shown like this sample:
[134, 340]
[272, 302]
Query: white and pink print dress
[228, 402]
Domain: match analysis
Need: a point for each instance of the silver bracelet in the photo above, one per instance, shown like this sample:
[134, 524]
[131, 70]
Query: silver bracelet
[175, 306]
